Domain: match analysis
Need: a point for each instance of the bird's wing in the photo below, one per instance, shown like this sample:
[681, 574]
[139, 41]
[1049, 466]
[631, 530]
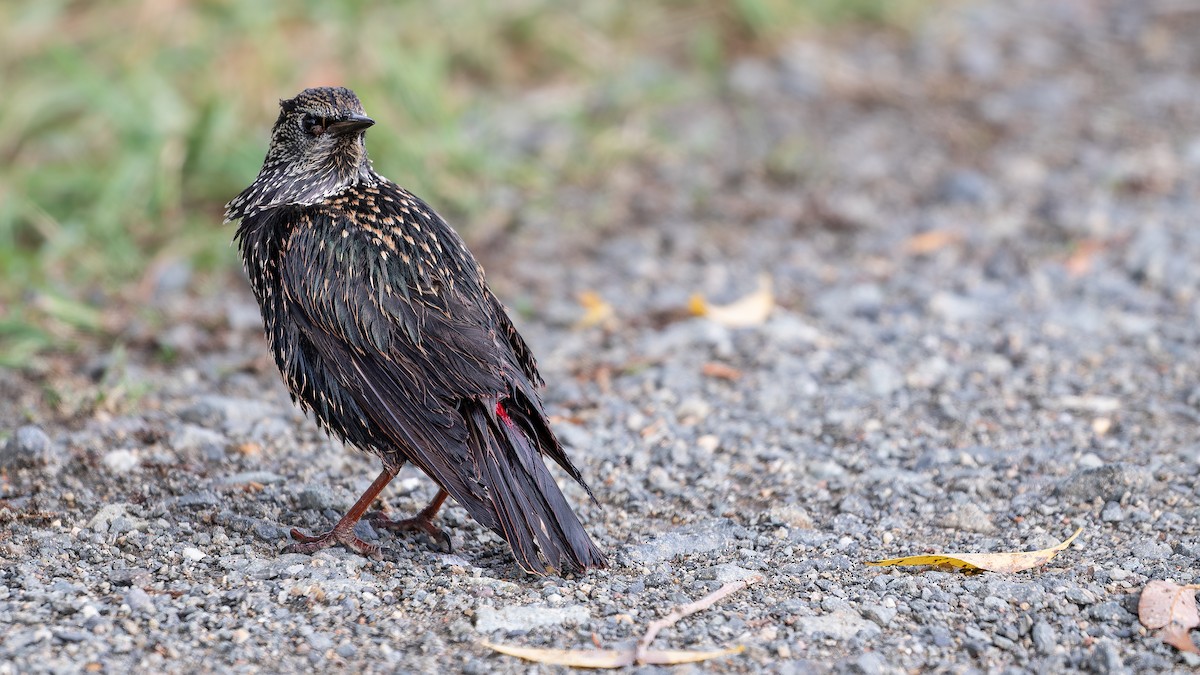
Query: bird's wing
[397, 309]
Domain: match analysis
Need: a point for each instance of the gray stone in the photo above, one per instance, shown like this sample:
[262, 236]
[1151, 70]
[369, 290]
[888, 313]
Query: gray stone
[122, 461]
[1112, 513]
[111, 514]
[940, 636]
[1045, 639]
[318, 497]
[955, 308]
[1112, 612]
[139, 601]
[192, 438]
[1152, 550]
[270, 430]
[879, 614]
[883, 378]
[687, 336]
[1030, 592]
[262, 477]
[243, 316]
[30, 447]
[1106, 658]
[726, 573]
[826, 470]
[862, 300]
[522, 618]
[1109, 482]
[968, 517]
[855, 504]
[840, 625]
[699, 538]
[202, 498]
[320, 641]
[234, 415]
[71, 635]
[791, 515]
[573, 436]
[970, 187]
[867, 663]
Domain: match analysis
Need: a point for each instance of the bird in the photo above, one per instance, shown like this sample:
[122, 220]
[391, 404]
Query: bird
[385, 331]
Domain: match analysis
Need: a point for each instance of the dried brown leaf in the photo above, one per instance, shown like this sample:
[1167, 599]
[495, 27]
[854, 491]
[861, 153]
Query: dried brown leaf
[1172, 608]
[720, 371]
[1179, 637]
[1163, 602]
[992, 562]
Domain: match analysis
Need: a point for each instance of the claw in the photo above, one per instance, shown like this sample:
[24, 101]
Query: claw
[343, 532]
[419, 523]
[343, 536]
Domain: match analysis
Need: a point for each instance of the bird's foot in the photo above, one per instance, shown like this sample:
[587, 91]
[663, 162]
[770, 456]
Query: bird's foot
[419, 523]
[338, 535]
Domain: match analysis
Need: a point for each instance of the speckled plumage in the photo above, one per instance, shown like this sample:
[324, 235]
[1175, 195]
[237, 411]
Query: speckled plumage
[385, 330]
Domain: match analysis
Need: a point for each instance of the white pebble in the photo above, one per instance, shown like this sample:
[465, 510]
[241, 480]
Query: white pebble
[121, 461]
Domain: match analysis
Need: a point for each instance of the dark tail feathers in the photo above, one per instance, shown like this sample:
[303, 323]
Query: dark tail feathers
[530, 510]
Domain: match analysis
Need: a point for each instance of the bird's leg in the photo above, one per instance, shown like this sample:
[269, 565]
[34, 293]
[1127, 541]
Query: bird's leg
[422, 522]
[343, 532]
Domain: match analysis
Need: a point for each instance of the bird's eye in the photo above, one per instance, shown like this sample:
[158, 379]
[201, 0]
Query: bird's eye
[315, 126]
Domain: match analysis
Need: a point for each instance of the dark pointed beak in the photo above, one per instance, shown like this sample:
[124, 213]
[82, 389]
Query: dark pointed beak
[350, 124]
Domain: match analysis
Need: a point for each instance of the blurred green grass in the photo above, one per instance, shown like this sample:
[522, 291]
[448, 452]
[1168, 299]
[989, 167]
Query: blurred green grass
[127, 124]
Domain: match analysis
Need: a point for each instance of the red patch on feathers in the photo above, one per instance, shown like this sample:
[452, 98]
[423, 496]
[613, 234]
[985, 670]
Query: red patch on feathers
[502, 413]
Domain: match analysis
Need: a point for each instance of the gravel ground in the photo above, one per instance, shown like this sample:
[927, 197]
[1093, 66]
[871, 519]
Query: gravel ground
[981, 240]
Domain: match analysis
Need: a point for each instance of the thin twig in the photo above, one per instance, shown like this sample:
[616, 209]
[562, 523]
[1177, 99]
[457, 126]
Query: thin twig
[687, 610]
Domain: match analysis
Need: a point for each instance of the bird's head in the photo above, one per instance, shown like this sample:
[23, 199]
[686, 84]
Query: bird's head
[316, 150]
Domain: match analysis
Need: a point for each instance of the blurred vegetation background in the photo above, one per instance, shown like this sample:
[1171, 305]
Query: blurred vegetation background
[127, 124]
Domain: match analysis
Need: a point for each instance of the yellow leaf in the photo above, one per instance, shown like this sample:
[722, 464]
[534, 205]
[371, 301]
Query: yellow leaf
[674, 657]
[751, 310]
[596, 311]
[575, 658]
[992, 562]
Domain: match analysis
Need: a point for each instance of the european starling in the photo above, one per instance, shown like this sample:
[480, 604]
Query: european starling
[385, 330]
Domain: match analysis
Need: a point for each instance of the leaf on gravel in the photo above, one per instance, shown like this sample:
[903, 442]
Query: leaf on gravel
[933, 240]
[575, 658]
[749, 311]
[672, 657]
[596, 311]
[992, 562]
[1081, 260]
[640, 654]
[720, 371]
[1172, 608]
[610, 658]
